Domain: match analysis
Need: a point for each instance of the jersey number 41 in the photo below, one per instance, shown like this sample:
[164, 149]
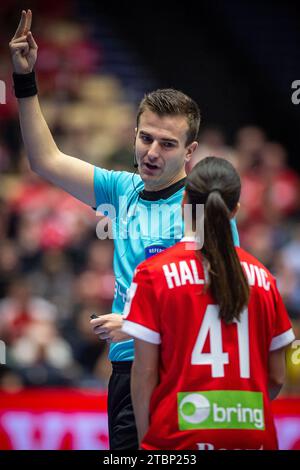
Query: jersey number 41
[211, 325]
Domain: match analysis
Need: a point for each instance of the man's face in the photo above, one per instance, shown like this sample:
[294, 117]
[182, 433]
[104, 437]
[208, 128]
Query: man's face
[160, 149]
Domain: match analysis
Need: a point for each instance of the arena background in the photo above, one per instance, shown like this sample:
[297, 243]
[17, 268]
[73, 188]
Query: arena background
[238, 60]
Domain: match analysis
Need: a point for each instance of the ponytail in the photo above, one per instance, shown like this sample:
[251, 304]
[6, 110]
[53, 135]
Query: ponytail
[214, 182]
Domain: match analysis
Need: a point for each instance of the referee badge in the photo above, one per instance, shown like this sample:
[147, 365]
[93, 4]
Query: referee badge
[153, 250]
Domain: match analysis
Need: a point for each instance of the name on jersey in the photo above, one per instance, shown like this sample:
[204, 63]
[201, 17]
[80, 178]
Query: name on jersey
[256, 276]
[186, 272]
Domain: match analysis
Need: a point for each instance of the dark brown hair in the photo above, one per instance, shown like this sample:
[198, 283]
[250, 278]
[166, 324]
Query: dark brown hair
[174, 103]
[214, 182]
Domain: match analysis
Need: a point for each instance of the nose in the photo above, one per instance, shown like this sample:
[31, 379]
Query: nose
[153, 151]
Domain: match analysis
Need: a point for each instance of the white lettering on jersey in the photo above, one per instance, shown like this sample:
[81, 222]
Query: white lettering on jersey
[187, 273]
[195, 272]
[170, 273]
[250, 273]
[256, 275]
[266, 283]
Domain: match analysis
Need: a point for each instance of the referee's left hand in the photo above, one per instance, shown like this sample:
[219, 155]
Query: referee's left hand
[109, 327]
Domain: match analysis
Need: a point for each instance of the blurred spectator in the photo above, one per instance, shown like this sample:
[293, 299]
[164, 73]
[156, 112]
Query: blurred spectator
[65, 55]
[288, 281]
[4, 219]
[5, 156]
[291, 252]
[87, 349]
[44, 358]
[258, 239]
[53, 280]
[282, 193]
[95, 285]
[249, 143]
[252, 200]
[21, 309]
[212, 143]
[287, 270]
[9, 265]
[270, 190]
[213, 137]
[122, 157]
[10, 380]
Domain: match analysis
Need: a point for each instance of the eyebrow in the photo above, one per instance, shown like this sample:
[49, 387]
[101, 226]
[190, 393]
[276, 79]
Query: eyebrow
[164, 139]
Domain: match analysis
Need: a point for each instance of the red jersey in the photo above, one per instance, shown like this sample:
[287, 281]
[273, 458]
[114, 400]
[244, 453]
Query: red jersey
[213, 386]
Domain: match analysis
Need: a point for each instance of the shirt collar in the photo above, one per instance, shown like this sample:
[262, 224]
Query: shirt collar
[163, 193]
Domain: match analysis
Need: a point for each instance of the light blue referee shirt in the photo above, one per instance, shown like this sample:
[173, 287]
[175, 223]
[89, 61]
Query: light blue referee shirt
[143, 224]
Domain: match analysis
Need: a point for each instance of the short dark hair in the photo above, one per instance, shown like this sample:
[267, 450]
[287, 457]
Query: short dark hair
[173, 102]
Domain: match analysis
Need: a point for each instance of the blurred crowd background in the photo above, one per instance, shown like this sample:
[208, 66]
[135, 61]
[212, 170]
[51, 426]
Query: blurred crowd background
[54, 272]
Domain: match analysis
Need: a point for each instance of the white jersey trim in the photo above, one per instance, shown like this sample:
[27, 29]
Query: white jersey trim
[282, 340]
[141, 332]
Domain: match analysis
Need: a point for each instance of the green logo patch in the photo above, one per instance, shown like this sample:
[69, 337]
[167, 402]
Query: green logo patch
[220, 409]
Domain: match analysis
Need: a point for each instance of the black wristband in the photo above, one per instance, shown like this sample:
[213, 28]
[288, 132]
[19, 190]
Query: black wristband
[25, 84]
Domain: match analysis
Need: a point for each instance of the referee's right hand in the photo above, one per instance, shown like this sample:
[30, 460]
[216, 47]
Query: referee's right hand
[23, 47]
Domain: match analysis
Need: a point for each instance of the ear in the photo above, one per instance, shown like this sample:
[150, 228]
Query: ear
[235, 210]
[190, 150]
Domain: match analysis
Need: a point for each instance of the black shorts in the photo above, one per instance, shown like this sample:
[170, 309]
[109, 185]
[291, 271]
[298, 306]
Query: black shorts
[121, 422]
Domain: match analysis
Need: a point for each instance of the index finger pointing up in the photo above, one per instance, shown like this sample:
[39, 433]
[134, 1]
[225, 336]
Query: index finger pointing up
[24, 25]
[20, 29]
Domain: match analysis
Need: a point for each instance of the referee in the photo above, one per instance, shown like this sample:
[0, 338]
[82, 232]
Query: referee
[165, 138]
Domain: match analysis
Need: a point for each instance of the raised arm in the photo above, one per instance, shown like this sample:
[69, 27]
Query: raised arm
[69, 173]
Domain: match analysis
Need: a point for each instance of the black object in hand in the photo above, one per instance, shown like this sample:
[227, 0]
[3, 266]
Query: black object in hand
[93, 316]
